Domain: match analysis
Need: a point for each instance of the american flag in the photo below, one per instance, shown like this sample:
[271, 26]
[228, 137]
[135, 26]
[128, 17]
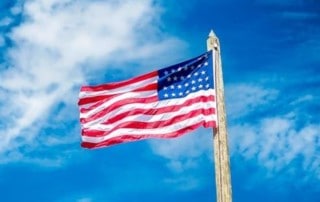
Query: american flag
[165, 103]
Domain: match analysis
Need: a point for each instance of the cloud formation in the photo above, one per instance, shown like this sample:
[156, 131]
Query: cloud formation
[57, 46]
[185, 157]
[279, 140]
[243, 99]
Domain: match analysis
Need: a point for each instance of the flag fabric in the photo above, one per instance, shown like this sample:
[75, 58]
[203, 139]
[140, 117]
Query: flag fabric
[165, 103]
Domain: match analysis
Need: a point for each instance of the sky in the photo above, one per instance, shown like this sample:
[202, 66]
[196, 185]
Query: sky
[271, 65]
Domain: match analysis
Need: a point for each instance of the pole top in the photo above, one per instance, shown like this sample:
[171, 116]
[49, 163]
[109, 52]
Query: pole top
[212, 41]
[212, 34]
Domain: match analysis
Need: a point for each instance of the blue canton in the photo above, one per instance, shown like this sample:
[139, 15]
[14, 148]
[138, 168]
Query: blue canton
[180, 80]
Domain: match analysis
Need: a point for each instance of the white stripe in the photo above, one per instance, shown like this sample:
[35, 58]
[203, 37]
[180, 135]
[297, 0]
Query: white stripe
[155, 105]
[154, 131]
[97, 123]
[123, 89]
[144, 94]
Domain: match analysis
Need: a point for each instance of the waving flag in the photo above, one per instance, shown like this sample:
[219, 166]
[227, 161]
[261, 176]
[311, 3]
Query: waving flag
[165, 103]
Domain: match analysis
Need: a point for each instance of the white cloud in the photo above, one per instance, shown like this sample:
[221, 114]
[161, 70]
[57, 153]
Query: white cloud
[183, 152]
[279, 143]
[183, 183]
[45, 161]
[242, 99]
[17, 9]
[85, 200]
[299, 15]
[187, 146]
[5, 22]
[57, 45]
[303, 99]
[276, 143]
[186, 154]
[77, 198]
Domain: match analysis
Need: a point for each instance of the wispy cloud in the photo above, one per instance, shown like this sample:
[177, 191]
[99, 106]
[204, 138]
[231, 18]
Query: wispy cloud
[85, 200]
[185, 157]
[5, 21]
[184, 147]
[243, 99]
[278, 140]
[277, 145]
[300, 15]
[57, 46]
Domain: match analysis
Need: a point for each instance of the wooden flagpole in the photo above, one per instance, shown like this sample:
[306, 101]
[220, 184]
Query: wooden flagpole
[221, 153]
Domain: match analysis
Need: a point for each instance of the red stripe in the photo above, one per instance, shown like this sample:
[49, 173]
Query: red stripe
[123, 102]
[90, 107]
[130, 138]
[105, 98]
[147, 111]
[110, 86]
[139, 125]
[88, 100]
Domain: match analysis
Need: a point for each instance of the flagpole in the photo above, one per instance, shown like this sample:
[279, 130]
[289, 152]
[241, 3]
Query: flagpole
[221, 153]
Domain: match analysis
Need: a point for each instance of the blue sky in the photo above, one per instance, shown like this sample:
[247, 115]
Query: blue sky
[270, 56]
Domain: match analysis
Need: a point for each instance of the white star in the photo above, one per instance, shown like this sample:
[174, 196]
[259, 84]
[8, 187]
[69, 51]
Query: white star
[196, 74]
[199, 65]
[189, 76]
[200, 79]
[203, 72]
[207, 86]
[179, 86]
[193, 82]
[193, 88]
[179, 69]
[181, 78]
[166, 72]
[165, 88]
[186, 84]
[187, 92]
[169, 79]
[172, 70]
[207, 78]
[175, 78]
[185, 68]
[200, 86]
[172, 86]
[166, 95]
[173, 94]
[180, 93]
[206, 63]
